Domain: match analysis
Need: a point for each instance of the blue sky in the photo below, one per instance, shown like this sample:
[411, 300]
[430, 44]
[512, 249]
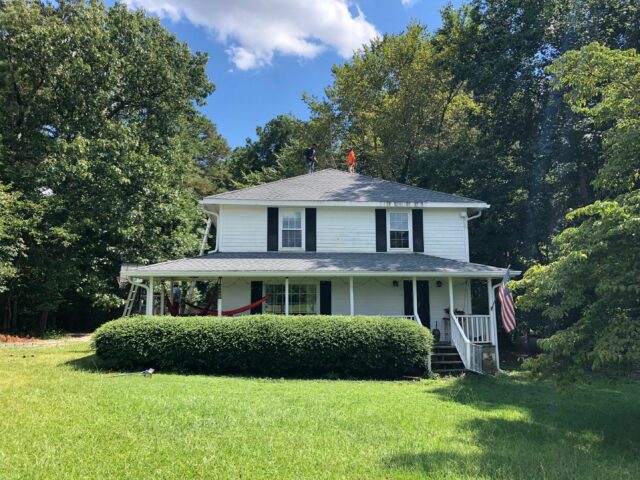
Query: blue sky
[263, 54]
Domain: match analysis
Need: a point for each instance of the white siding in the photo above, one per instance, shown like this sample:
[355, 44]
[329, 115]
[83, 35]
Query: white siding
[372, 296]
[445, 234]
[439, 299]
[236, 293]
[243, 229]
[345, 230]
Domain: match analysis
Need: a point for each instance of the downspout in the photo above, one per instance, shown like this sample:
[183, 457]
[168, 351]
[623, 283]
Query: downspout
[205, 237]
[466, 228]
[217, 224]
[477, 215]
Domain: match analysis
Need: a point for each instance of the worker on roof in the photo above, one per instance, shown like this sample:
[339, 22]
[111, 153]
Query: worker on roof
[351, 160]
[311, 154]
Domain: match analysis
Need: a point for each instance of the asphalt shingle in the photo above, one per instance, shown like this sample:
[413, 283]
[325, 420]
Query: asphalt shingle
[336, 185]
[316, 263]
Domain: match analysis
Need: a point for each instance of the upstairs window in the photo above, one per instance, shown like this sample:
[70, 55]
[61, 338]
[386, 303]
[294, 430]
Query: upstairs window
[291, 229]
[399, 234]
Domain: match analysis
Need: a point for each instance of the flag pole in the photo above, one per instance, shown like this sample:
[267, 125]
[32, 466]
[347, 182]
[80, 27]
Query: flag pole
[495, 299]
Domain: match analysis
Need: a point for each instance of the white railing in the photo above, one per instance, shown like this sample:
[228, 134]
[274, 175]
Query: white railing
[477, 328]
[470, 353]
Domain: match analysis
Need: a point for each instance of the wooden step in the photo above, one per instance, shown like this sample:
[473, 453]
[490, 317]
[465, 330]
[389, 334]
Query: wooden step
[445, 360]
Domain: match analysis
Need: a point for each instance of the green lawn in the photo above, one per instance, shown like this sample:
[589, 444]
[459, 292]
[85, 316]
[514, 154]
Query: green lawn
[61, 419]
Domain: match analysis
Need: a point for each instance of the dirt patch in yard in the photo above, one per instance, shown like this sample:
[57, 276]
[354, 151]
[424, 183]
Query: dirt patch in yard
[16, 340]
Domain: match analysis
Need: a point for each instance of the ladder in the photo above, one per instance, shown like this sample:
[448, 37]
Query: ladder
[128, 306]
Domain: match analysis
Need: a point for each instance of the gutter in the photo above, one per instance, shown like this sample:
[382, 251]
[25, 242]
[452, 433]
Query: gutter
[272, 274]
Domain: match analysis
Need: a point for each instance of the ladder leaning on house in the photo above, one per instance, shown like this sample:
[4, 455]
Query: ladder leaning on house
[128, 306]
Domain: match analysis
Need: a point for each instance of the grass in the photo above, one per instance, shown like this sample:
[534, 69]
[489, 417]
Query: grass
[63, 419]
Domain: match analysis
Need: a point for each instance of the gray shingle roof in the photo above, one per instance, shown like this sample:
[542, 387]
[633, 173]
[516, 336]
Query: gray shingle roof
[336, 185]
[312, 263]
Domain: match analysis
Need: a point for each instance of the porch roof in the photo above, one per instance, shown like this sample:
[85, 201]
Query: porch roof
[311, 264]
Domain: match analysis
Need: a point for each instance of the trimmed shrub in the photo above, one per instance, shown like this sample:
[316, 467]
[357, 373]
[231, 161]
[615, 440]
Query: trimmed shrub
[268, 345]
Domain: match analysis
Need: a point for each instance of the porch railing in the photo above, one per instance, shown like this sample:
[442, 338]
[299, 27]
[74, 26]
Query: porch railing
[470, 353]
[477, 328]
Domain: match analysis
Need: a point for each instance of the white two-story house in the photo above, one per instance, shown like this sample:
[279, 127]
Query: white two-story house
[334, 243]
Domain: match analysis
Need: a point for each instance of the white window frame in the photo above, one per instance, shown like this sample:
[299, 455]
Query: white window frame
[316, 284]
[410, 231]
[282, 211]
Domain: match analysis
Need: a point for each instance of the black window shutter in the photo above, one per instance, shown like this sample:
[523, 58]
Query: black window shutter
[310, 229]
[272, 229]
[256, 294]
[408, 297]
[325, 298]
[418, 235]
[381, 230]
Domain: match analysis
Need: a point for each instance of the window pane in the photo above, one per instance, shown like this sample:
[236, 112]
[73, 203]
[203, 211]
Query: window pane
[292, 220]
[292, 229]
[292, 238]
[399, 221]
[302, 299]
[275, 302]
[399, 239]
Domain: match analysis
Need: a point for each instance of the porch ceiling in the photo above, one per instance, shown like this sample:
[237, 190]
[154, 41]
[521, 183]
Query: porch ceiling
[312, 264]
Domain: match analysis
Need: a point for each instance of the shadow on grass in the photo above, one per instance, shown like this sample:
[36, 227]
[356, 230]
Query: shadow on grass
[90, 363]
[519, 429]
[93, 363]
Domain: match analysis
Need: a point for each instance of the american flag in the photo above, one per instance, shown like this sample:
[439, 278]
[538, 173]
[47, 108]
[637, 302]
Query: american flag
[506, 300]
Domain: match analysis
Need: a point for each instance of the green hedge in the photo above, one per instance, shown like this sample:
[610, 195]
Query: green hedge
[268, 345]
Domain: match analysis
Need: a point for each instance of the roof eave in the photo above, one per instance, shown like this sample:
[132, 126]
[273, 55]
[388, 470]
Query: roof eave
[338, 203]
[133, 273]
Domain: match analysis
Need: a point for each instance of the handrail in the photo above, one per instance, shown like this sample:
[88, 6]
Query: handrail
[470, 353]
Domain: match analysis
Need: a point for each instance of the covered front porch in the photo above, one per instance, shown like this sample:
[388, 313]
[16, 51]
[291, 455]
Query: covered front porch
[439, 298]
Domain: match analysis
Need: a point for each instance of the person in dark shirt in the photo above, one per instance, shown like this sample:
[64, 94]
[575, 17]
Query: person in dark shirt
[311, 154]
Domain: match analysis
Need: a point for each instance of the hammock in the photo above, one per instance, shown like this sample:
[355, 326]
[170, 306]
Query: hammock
[226, 313]
[174, 310]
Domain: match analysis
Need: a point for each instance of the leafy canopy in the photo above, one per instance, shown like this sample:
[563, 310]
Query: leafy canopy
[591, 289]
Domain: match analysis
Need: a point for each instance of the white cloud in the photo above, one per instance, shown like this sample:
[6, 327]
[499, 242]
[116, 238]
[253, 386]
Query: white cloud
[408, 3]
[255, 30]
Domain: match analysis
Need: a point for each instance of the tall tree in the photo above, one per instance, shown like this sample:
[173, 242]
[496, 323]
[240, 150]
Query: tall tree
[392, 103]
[590, 292]
[97, 129]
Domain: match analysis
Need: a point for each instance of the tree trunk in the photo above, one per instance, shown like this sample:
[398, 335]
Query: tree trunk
[44, 317]
[9, 313]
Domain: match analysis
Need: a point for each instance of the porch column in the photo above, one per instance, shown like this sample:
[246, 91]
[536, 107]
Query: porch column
[351, 305]
[493, 319]
[451, 309]
[414, 285]
[149, 311]
[162, 297]
[286, 296]
[219, 296]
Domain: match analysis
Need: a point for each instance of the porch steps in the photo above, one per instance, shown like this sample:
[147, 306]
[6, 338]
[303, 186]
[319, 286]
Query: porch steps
[445, 360]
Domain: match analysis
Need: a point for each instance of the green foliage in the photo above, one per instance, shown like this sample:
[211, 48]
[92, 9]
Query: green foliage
[603, 84]
[100, 136]
[591, 289]
[268, 345]
[392, 102]
[12, 231]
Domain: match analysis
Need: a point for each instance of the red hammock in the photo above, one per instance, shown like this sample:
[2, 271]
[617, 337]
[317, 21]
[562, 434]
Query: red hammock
[226, 313]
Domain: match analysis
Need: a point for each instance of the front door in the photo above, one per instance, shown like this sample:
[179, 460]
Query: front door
[423, 302]
[422, 288]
